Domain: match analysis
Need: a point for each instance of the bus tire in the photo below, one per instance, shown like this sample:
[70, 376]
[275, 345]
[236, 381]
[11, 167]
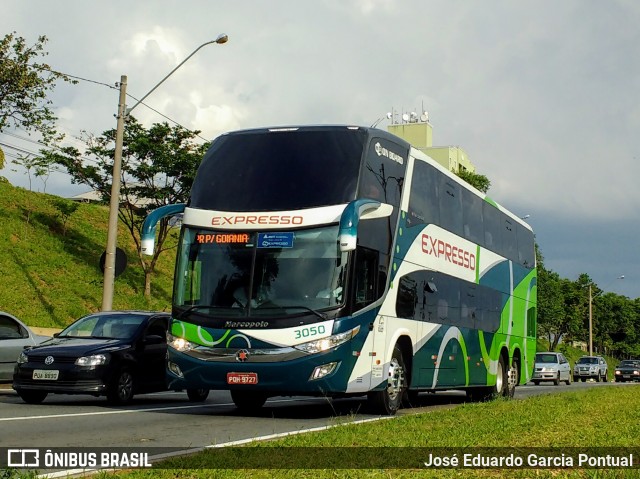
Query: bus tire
[197, 395]
[506, 379]
[410, 398]
[512, 378]
[388, 400]
[248, 400]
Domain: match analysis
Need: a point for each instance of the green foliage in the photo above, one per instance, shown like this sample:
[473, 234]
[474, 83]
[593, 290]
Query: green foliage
[66, 208]
[50, 266]
[563, 315]
[17, 474]
[480, 182]
[25, 84]
[158, 168]
[38, 165]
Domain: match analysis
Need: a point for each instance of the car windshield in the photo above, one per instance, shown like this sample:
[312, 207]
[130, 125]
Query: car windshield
[116, 326]
[588, 361]
[546, 358]
[628, 364]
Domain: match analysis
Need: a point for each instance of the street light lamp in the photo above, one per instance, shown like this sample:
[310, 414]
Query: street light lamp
[591, 314]
[114, 204]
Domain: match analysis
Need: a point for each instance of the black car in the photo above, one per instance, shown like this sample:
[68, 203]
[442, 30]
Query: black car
[114, 353]
[628, 370]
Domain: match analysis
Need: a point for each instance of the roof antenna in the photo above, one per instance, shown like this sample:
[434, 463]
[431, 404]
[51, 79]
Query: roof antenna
[387, 116]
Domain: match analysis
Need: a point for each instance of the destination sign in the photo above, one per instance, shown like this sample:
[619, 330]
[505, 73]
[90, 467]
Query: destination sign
[223, 238]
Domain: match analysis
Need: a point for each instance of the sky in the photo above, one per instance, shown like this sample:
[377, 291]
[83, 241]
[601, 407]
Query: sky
[542, 95]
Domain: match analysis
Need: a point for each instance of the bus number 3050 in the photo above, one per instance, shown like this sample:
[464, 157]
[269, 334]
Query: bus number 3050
[310, 331]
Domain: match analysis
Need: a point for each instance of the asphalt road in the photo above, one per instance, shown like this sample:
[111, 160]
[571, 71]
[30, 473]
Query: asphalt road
[169, 420]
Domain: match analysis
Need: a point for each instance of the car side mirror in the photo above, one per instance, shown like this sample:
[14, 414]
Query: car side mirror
[55, 335]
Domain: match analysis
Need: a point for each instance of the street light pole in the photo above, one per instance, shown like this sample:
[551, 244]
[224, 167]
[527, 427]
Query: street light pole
[114, 204]
[590, 322]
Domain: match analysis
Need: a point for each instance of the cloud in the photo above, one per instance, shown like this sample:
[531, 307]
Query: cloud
[541, 95]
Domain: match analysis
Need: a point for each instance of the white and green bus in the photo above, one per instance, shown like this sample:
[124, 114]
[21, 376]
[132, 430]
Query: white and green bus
[339, 261]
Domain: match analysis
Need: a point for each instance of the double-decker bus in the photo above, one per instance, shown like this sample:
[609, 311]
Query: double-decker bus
[337, 261]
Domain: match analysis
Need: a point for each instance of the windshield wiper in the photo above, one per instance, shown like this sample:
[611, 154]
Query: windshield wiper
[203, 306]
[313, 311]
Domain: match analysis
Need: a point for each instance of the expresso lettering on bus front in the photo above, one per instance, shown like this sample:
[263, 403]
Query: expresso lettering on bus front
[257, 220]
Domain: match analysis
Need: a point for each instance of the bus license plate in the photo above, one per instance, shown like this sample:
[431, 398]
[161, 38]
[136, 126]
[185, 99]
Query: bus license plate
[242, 378]
[46, 374]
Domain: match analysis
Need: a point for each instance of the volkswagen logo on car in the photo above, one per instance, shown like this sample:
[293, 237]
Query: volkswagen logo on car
[48, 360]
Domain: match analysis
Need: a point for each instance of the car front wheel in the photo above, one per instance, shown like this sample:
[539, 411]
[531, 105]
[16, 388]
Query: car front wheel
[121, 389]
[32, 397]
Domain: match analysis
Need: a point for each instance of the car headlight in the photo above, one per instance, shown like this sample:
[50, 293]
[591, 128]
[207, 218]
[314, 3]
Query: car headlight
[324, 344]
[94, 360]
[23, 358]
[180, 344]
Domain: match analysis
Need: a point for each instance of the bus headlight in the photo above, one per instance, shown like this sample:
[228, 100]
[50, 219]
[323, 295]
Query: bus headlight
[324, 344]
[180, 344]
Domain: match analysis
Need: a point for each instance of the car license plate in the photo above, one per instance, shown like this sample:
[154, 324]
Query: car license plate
[627, 376]
[242, 378]
[46, 374]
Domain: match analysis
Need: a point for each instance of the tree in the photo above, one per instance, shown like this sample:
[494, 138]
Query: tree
[158, 168]
[24, 86]
[480, 182]
[562, 305]
[40, 166]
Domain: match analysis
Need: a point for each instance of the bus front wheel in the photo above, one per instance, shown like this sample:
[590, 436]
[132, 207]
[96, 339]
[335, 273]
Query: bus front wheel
[248, 400]
[389, 399]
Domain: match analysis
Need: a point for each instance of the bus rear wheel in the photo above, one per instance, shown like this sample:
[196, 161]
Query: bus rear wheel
[248, 400]
[388, 400]
[506, 379]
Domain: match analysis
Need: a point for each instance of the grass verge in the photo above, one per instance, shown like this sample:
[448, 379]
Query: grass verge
[573, 422]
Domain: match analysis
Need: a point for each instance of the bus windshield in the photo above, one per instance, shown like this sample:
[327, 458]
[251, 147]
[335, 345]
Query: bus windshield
[222, 273]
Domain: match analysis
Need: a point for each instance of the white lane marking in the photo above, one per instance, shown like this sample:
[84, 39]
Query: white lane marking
[128, 411]
[185, 452]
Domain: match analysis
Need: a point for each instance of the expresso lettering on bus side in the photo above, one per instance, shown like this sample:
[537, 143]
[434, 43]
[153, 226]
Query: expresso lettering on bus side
[454, 254]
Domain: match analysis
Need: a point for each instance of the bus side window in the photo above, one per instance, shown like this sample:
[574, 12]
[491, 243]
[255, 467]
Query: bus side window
[366, 272]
